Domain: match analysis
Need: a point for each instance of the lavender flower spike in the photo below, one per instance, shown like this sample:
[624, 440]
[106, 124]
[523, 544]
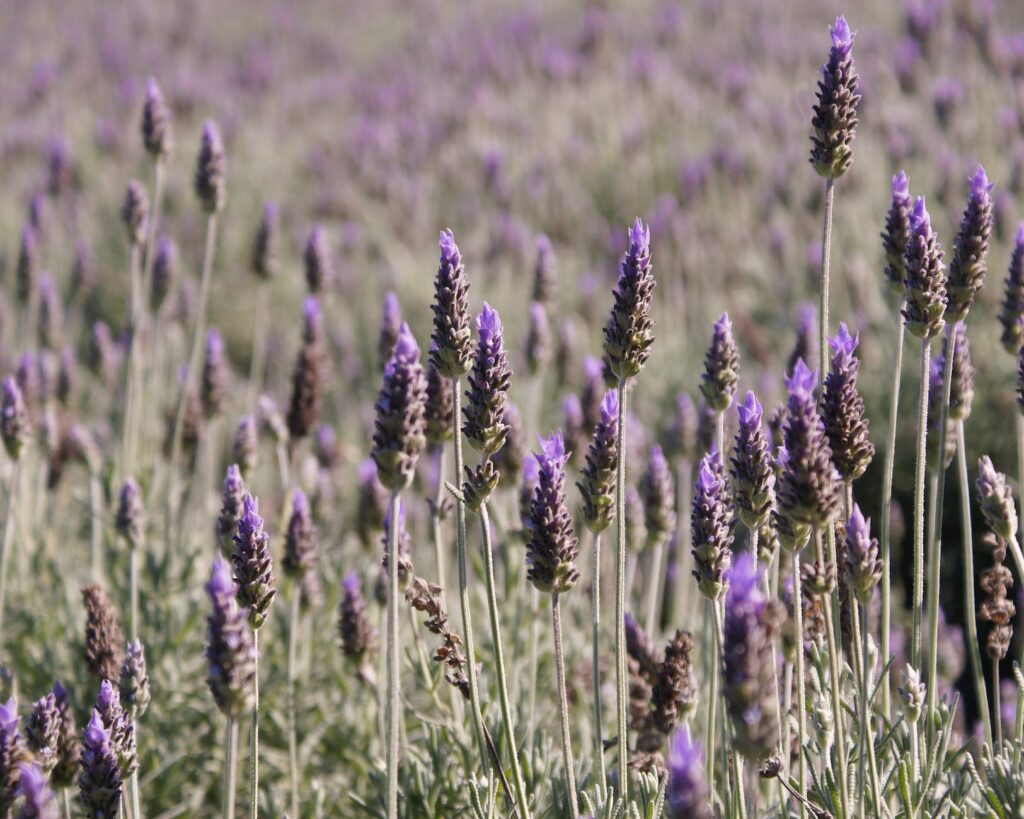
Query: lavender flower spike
[597, 478]
[210, 170]
[711, 526]
[538, 339]
[967, 268]
[214, 378]
[400, 428]
[863, 566]
[99, 783]
[309, 374]
[157, 135]
[553, 547]
[925, 279]
[843, 412]
[995, 497]
[129, 519]
[896, 235]
[686, 795]
[264, 247]
[252, 564]
[245, 446]
[230, 652]
[629, 332]
[301, 542]
[1011, 311]
[752, 471]
[484, 424]
[133, 684]
[658, 492]
[42, 733]
[748, 676]
[390, 321]
[452, 353]
[12, 751]
[14, 423]
[135, 211]
[317, 259]
[37, 800]
[961, 395]
[358, 637]
[835, 114]
[230, 508]
[721, 367]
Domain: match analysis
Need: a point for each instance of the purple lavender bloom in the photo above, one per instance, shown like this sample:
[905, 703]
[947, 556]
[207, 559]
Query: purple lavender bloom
[835, 114]
[752, 470]
[967, 267]
[452, 353]
[214, 380]
[553, 547]
[252, 564]
[721, 367]
[14, 421]
[400, 428]
[325, 446]
[301, 542]
[597, 478]
[309, 374]
[133, 684]
[129, 521]
[230, 508]
[12, 751]
[27, 273]
[317, 258]
[808, 492]
[157, 135]
[658, 492]
[371, 503]
[37, 800]
[264, 247]
[925, 279]
[629, 332]
[863, 566]
[686, 795]
[545, 281]
[135, 212]
[99, 783]
[42, 732]
[711, 526]
[358, 637]
[68, 746]
[592, 393]
[211, 167]
[230, 652]
[120, 726]
[165, 271]
[842, 409]
[748, 674]
[961, 394]
[483, 416]
[1011, 312]
[390, 321]
[896, 235]
[51, 314]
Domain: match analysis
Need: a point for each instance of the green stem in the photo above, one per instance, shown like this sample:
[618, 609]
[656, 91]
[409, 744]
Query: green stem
[230, 755]
[996, 697]
[970, 607]
[832, 620]
[712, 734]
[394, 695]
[499, 661]
[886, 511]
[293, 754]
[254, 735]
[866, 742]
[919, 489]
[8, 541]
[826, 253]
[801, 694]
[134, 787]
[595, 629]
[621, 680]
[563, 708]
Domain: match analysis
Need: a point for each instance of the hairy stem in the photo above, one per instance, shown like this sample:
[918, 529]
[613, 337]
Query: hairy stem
[230, 757]
[394, 695]
[712, 734]
[133, 572]
[563, 707]
[832, 619]
[293, 756]
[595, 628]
[621, 695]
[826, 253]
[801, 694]
[919, 489]
[254, 735]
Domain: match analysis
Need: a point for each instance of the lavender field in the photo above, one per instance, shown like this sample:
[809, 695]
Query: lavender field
[436, 409]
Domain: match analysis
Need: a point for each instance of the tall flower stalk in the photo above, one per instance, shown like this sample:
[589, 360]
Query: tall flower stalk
[628, 336]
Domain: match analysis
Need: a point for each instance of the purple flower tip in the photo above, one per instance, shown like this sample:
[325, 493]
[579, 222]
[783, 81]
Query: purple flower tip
[610, 407]
[8, 716]
[723, 326]
[450, 254]
[592, 368]
[920, 220]
[106, 696]
[684, 755]
[1018, 239]
[707, 480]
[980, 185]
[221, 584]
[300, 504]
[543, 244]
[750, 411]
[392, 309]
[743, 580]
[803, 380]
[842, 343]
[210, 133]
[152, 89]
[351, 583]
[901, 186]
[531, 471]
[233, 476]
[95, 734]
[860, 527]
[572, 410]
[270, 211]
[656, 458]
[552, 453]
[639, 238]
[251, 513]
[311, 310]
[406, 348]
[488, 323]
[214, 342]
[31, 784]
[842, 36]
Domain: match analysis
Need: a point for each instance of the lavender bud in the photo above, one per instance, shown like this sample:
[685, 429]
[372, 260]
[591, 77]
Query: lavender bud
[553, 547]
[483, 416]
[317, 259]
[129, 521]
[157, 135]
[165, 271]
[721, 367]
[808, 491]
[265, 244]
[120, 727]
[37, 800]
[230, 508]
[103, 635]
[391, 320]
[135, 212]
[245, 447]
[842, 409]
[301, 541]
[309, 374]
[538, 339]
[214, 381]
[711, 526]
[452, 353]
[1011, 312]
[995, 498]
[358, 637]
[27, 273]
[748, 675]
[961, 394]
[400, 428]
[230, 653]
[13, 418]
[42, 733]
[252, 564]
[835, 115]
[211, 168]
[629, 332]
[440, 406]
[896, 236]
[913, 693]
[68, 747]
[597, 478]
[967, 267]
[591, 394]
[686, 794]
[372, 501]
[752, 472]
[133, 684]
[99, 783]
[674, 694]
[545, 279]
[658, 492]
[863, 566]
[925, 280]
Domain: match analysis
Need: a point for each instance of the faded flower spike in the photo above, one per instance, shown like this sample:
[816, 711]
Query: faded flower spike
[230, 653]
[484, 414]
[658, 492]
[995, 497]
[863, 566]
[265, 244]
[597, 478]
[230, 508]
[835, 114]
[629, 333]
[130, 517]
[961, 394]
[721, 367]
[211, 169]
[252, 564]
[157, 135]
[245, 446]
[301, 542]
[748, 675]
[42, 733]
[711, 526]
[808, 492]
[674, 694]
[14, 423]
[133, 684]
[913, 692]
[752, 470]
[99, 783]
[553, 546]
[400, 428]
[686, 794]
[103, 635]
[317, 259]
[896, 235]
[1011, 312]
[842, 408]
[967, 266]
[358, 637]
[135, 211]
[452, 353]
[925, 279]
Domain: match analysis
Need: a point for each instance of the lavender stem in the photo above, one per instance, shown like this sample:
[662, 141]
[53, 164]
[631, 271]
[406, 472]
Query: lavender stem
[595, 620]
[826, 252]
[835, 661]
[8, 541]
[394, 695]
[293, 756]
[801, 695]
[563, 707]
[254, 735]
[620, 597]
[919, 490]
[230, 762]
